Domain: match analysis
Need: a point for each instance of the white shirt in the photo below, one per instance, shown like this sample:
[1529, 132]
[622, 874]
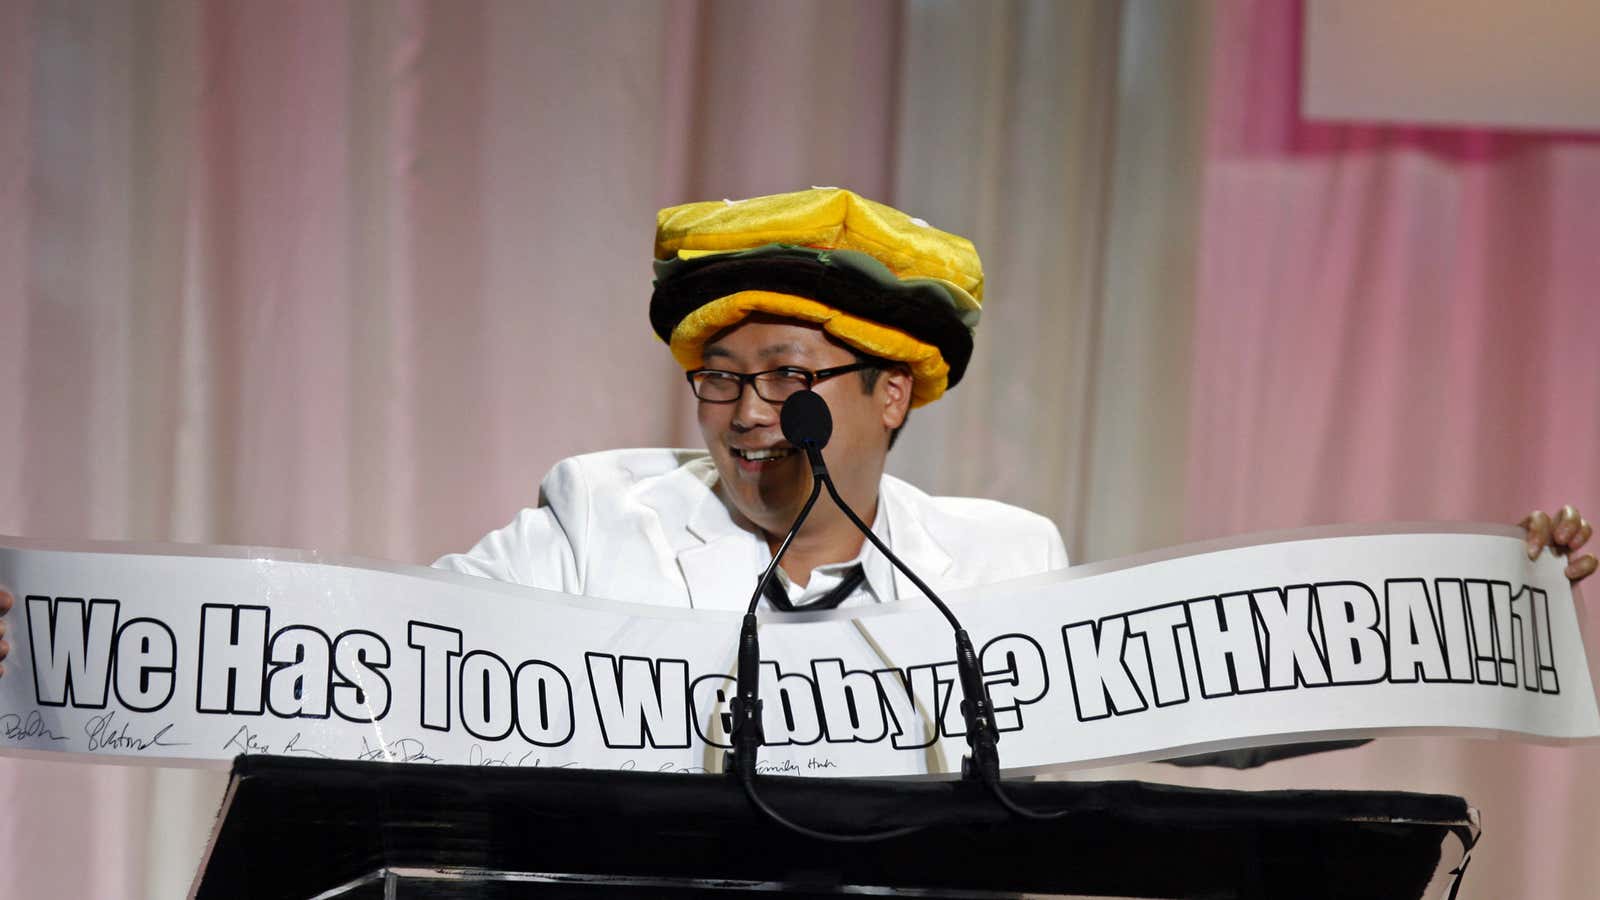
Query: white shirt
[649, 526]
[877, 587]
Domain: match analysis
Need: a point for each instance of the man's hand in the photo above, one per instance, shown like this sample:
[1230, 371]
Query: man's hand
[1564, 534]
[5, 607]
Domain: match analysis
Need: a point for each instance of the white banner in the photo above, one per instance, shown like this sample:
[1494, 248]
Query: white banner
[196, 654]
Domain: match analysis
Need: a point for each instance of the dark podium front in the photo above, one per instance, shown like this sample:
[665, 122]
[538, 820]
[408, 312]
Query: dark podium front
[301, 829]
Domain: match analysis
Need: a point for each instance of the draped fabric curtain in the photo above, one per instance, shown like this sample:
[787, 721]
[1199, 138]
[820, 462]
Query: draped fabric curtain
[352, 275]
[1397, 324]
[1064, 138]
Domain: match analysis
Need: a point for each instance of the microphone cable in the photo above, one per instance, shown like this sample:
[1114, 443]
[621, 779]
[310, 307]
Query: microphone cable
[747, 733]
[983, 734]
[986, 769]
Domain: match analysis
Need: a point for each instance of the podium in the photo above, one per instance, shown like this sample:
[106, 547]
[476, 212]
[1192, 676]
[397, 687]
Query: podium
[310, 828]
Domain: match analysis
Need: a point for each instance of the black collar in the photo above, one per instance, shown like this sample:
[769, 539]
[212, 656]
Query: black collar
[779, 598]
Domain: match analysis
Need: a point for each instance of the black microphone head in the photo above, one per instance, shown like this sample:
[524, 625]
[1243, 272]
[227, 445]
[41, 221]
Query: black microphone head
[806, 420]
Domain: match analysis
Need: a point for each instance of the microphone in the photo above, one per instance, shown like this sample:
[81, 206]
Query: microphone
[808, 425]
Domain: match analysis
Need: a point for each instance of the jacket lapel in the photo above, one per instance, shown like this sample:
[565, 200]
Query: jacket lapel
[721, 562]
[910, 540]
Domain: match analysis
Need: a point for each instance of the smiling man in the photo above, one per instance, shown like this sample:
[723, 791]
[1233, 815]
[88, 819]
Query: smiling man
[758, 299]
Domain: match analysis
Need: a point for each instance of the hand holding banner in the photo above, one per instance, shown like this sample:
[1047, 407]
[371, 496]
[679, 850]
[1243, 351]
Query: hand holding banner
[196, 654]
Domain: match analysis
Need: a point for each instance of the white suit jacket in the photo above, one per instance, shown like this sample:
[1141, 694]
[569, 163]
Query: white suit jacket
[648, 526]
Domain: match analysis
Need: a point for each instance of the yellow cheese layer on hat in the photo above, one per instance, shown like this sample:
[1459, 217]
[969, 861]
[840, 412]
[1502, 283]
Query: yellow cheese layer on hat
[929, 371]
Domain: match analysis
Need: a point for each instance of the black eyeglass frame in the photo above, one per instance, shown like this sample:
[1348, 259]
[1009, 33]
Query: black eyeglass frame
[811, 378]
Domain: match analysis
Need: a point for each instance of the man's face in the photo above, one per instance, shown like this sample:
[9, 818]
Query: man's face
[771, 491]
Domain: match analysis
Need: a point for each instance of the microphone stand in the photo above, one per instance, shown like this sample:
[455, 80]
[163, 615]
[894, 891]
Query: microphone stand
[807, 425]
[983, 735]
[982, 763]
[747, 734]
[809, 421]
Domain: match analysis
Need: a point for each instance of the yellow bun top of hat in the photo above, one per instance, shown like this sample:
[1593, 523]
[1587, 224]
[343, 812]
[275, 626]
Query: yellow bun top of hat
[831, 218]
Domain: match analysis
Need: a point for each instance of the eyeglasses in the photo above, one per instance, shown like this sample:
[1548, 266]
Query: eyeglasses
[773, 385]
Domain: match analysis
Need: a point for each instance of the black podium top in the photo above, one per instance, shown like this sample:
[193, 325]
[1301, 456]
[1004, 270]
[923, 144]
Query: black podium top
[293, 828]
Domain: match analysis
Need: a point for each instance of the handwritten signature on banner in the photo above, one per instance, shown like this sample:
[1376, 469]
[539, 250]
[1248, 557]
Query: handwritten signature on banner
[109, 733]
[414, 750]
[106, 733]
[246, 741]
[17, 727]
[102, 733]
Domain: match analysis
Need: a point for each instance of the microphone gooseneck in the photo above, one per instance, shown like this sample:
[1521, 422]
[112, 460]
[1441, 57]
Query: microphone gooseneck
[807, 425]
[746, 733]
[983, 733]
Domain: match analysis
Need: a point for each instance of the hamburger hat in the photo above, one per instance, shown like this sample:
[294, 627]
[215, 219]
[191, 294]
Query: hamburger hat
[885, 283]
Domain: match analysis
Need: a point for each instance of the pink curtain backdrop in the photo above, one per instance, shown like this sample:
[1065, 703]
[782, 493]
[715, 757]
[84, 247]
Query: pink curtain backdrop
[1399, 324]
[351, 276]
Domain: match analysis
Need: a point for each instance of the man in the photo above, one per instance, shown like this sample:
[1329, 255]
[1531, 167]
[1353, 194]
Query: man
[757, 299]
